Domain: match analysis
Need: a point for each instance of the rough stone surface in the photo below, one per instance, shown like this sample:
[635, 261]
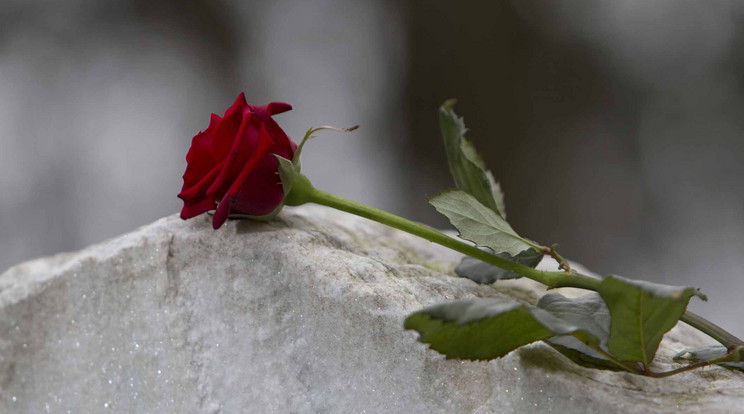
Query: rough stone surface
[303, 314]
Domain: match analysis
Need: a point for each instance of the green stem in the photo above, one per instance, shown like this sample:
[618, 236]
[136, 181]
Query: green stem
[551, 279]
[304, 192]
[714, 331]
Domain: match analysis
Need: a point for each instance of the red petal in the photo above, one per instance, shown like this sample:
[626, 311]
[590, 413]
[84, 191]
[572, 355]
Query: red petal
[285, 146]
[225, 133]
[199, 190]
[190, 210]
[199, 157]
[262, 191]
[243, 146]
[265, 112]
[278, 107]
[260, 151]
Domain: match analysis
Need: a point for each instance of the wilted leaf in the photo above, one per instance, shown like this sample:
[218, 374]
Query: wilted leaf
[484, 273]
[479, 224]
[641, 313]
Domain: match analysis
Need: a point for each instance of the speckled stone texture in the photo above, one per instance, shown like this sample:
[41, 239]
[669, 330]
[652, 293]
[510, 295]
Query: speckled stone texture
[300, 315]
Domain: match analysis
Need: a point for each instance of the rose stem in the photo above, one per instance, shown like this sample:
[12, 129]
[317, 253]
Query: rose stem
[305, 193]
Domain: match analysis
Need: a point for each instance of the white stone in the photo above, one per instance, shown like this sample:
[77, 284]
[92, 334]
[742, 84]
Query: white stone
[303, 314]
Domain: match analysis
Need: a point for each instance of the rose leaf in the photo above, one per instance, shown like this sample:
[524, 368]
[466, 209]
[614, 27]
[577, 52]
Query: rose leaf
[640, 314]
[466, 165]
[590, 313]
[479, 224]
[484, 273]
[481, 329]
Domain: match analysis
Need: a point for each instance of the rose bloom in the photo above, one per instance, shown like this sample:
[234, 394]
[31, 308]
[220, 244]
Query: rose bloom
[231, 166]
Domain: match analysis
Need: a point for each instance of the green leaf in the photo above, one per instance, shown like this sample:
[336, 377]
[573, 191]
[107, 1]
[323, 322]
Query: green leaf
[498, 195]
[466, 165]
[733, 361]
[480, 329]
[479, 224]
[641, 313]
[484, 273]
[590, 313]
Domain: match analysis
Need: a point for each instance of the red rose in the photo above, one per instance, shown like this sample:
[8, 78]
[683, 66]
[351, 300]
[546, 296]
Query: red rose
[231, 163]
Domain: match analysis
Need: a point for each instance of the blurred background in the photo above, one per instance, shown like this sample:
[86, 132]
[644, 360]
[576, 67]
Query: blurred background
[616, 128]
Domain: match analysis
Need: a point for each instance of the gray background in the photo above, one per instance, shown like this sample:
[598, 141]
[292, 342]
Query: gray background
[616, 128]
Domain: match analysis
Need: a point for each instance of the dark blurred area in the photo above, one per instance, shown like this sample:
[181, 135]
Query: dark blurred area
[615, 128]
